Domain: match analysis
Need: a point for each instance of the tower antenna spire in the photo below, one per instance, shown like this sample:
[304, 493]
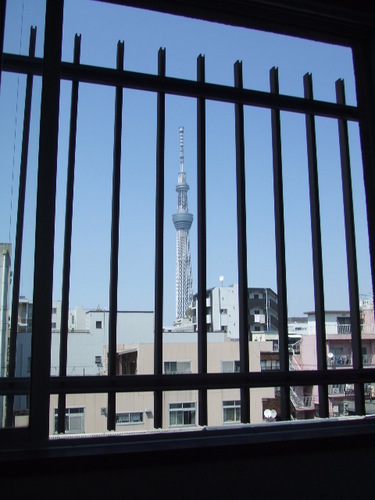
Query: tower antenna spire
[181, 129]
[182, 221]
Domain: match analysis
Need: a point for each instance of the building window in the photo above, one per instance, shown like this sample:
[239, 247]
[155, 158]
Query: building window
[173, 367]
[181, 414]
[230, 366]
[54, 310]
[53, 325]
[336, 389]
[231, 411]
[74, 420]
[269, 364]
[98, 325]
[127, 363]
[129, 418]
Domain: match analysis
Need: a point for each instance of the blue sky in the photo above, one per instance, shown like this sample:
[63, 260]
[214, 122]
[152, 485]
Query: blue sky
[101, 26]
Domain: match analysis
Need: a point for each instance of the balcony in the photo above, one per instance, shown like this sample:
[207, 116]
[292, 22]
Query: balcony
[257, 303]
[344, 328]
[339, 360]
[260, 318]
[347, 360]
[302, 402]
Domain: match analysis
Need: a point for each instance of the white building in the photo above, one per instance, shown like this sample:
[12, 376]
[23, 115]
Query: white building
[87, 336]
[223, 312]
[5, 253]
[336, 321]
[297, 325]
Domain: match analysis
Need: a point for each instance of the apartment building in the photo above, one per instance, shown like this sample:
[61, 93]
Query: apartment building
[88, 356]
[222, 310]
[339, 353]
[86, 413]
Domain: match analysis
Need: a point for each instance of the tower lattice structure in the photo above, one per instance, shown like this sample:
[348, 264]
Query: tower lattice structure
[182, 221]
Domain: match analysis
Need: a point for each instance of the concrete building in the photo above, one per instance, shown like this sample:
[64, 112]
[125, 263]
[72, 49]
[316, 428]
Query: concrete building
[222, 310]
[367, 315]
[88, 354]
[88, 334]
[86, 413]
[297, 325]
[5, 277]
[339, 355]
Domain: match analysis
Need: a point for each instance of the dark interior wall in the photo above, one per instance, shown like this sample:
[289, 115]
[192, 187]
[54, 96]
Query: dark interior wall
[328, 469]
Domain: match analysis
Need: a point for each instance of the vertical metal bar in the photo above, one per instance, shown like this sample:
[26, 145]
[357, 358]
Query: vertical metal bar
[350, 248]
[280, 244]
[364, 69]
[45, 223]
[3, 4]
[242, 245]
[202, 250]
[68, 238]
[9, 418]
[112, 326]
[159, 247]
[316, 244]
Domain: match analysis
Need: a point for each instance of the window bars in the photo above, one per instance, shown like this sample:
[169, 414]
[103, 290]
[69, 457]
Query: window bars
[41, 385]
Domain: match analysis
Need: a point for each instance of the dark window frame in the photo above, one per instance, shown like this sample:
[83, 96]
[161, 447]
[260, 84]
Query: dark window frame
[349, 27]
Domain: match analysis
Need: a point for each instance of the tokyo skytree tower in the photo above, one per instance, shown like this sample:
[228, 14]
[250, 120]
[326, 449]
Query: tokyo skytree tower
[182, 221]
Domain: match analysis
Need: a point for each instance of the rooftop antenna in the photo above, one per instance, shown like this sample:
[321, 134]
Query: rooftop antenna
[181, 129]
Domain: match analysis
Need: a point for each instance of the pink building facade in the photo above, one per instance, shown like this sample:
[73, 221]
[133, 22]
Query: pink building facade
[305, 399]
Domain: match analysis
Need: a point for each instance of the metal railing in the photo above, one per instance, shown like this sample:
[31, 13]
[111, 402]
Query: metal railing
[53, 70]
[344, 328]
[301, 402]
[347, 360]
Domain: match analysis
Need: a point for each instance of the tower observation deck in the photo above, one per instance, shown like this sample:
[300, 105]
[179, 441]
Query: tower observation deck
[182, 221]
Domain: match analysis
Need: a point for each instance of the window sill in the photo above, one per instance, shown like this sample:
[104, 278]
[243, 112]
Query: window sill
[181, 444]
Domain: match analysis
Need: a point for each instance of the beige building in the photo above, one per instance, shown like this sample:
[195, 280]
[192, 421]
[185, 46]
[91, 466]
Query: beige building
[86, 413]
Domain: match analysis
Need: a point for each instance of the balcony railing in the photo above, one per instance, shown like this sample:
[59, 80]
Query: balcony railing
[344, 328]
[346, 360]
[301, 402]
